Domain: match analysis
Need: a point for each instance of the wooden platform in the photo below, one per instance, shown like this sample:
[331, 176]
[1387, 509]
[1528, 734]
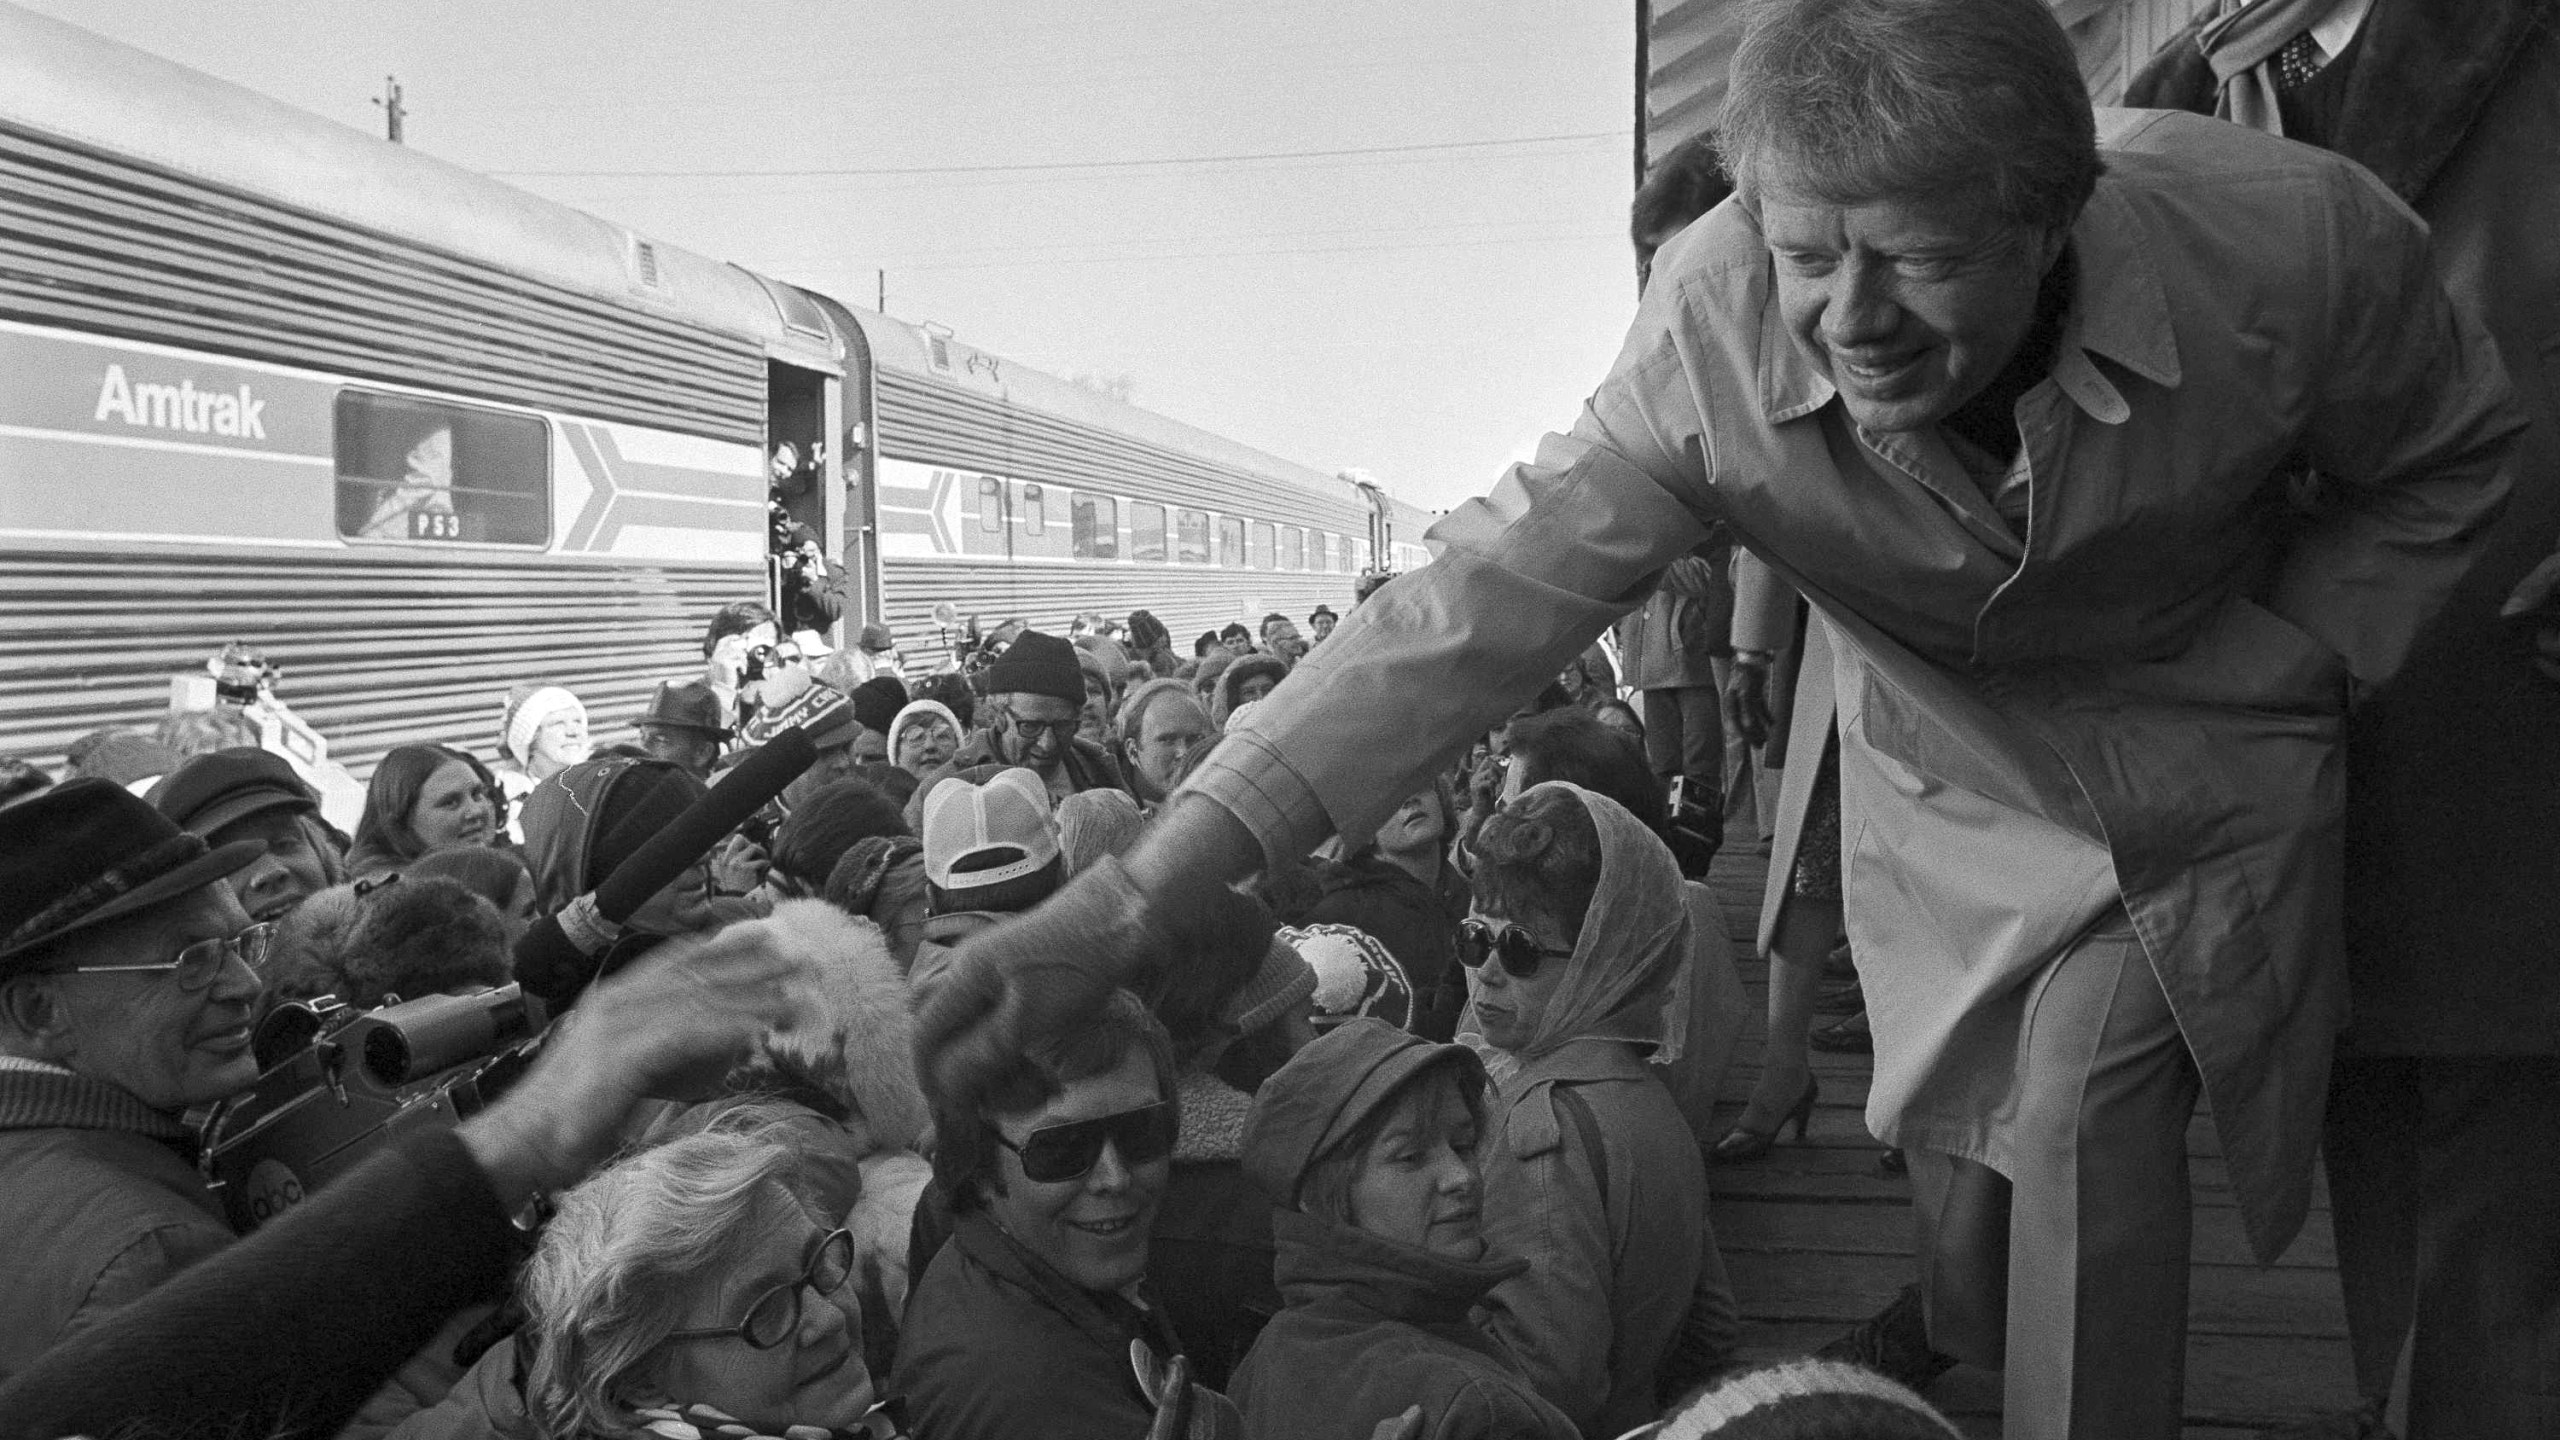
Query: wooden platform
[1818, 1239]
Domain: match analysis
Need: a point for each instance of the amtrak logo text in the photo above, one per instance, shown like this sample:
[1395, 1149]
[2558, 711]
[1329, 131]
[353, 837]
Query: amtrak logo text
[182, 407]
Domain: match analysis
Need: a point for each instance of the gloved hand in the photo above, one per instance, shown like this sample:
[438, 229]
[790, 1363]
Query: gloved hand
[1003, 984]
[1746, 702]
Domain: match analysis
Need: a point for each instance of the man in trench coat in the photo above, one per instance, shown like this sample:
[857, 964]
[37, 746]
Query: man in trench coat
[2031, 432]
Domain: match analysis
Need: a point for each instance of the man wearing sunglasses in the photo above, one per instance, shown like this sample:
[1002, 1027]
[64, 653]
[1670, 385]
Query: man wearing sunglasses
[1054, 1160]
[128, 979]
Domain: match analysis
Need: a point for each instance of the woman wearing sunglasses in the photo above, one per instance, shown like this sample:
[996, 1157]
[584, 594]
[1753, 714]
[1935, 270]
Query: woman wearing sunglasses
[689, 1283]
[1031, 1319]
[1576, 946]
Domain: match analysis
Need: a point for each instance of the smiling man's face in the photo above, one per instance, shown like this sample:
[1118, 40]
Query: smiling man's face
[170, 1047]
[1908, 306]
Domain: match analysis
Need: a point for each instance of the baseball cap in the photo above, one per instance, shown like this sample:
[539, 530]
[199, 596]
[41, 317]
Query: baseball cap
[965, 820]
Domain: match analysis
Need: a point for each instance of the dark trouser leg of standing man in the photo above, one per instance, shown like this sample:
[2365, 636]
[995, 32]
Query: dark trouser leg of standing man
[2444, 1183]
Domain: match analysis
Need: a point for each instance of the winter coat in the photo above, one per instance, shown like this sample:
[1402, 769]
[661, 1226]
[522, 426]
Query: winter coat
[1370, 1328]
[2135, 702]
[997, 1345]
[100, 1202]
[1613, 1233]
[1210, 1263]
[1087, 766]
[1416, 922]
[2453, 766]
[1673, 638]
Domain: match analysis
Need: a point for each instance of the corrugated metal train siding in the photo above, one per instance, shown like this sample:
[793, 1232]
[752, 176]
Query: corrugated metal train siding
[100, 243]
[1188, 599]
[944, 425]
[374, 655]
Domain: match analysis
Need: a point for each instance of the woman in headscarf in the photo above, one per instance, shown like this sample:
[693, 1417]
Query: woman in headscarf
[422, 798]
[1577, 942]
[1367, 1144]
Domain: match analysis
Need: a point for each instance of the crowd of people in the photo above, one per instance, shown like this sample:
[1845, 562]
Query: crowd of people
[1320, 1033]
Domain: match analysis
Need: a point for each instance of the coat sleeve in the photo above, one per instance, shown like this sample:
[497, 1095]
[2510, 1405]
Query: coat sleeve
[1519, 583]
[1543, 1205]
[1486, 1412]
[2411, 430]
[336, 1294]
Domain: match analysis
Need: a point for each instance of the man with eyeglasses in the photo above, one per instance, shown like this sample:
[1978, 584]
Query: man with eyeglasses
[1035, 699]
[128, 981]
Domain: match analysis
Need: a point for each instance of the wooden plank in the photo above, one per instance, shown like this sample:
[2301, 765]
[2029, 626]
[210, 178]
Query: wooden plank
[1779, 1227]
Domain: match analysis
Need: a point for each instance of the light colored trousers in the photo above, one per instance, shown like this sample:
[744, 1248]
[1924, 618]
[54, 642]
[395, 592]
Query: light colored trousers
[2071, 1275]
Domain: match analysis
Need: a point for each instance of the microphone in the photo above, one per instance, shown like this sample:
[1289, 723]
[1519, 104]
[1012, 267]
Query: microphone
[554, 966]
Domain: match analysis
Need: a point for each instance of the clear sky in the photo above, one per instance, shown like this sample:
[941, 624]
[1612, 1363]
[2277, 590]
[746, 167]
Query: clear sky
[1423, 314]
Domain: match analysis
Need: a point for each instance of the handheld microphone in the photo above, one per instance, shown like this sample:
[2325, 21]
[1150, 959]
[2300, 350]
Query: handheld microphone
[554, 967]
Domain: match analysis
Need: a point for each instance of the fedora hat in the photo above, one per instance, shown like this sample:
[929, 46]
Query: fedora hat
[86, 852]
[685, 705]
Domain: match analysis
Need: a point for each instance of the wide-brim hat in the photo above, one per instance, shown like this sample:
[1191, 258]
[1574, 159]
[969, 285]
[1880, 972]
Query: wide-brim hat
[686, 705]
[86, 852]
[207, 792]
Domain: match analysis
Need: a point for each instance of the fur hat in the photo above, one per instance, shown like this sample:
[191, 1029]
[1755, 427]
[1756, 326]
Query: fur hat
[855, 1041]
[421, 936]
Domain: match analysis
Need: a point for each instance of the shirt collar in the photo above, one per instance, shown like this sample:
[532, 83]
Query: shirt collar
[2119, 309]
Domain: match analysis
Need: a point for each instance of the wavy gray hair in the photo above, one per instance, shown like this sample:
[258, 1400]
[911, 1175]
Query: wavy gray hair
[631, 1246]
[1858, 100]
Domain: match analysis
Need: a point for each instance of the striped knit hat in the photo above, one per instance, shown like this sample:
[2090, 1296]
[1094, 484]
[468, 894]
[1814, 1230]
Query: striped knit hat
[1806, 1400]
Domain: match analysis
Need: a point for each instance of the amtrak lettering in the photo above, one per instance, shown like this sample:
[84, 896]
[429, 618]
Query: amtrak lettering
[181, 406]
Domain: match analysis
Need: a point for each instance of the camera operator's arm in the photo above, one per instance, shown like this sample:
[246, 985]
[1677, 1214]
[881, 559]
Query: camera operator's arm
[286, 1333]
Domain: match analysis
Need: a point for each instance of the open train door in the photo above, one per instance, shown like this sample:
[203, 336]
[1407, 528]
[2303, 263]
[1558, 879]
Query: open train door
[814, 579]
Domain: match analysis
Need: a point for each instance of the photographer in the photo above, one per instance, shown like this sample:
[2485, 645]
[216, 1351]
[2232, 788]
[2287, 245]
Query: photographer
[286, 1332]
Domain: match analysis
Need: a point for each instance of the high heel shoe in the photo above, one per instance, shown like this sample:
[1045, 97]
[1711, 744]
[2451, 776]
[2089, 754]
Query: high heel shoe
[1742, 1144]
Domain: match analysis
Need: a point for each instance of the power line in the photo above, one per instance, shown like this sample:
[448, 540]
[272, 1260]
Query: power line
[1056, 164]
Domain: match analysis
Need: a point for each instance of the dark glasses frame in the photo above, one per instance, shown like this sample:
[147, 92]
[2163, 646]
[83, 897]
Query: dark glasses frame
[1520, 955]
[1067, 1151]
[775, 1316]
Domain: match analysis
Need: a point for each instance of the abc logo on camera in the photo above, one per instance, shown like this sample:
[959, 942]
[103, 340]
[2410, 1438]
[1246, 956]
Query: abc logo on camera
[271, 1190]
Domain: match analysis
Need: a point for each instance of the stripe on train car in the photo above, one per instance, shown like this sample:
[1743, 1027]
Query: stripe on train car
[116, 441]
[378, 648]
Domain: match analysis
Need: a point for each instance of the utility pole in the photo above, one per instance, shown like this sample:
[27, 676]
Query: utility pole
[392, 110]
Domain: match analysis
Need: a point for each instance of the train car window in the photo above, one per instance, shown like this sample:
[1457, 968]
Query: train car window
[1035, 516]
[1343, 560]
[1146, 531]
[1262, 548]
[1194, 536]
[1230, 541]
[425, 471]
[1097, 526]
[1316, 545]
[1293, 548]
[990, 504]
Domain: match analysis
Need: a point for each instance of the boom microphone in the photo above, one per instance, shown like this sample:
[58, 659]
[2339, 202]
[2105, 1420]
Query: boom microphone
[555, 967]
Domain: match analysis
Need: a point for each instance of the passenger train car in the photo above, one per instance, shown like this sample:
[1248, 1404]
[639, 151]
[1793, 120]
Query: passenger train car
[419, 435]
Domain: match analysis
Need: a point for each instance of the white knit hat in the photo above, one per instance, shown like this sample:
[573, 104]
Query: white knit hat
[528, 708]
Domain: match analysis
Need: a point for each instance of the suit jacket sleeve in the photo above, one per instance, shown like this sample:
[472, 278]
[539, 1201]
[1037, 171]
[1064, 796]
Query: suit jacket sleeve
[2411, 432]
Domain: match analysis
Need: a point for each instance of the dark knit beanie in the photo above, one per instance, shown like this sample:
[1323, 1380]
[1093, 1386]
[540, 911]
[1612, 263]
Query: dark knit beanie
[877, 701]
[1037, 664]
[423, 936]
[642, 802]
[828, 823]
